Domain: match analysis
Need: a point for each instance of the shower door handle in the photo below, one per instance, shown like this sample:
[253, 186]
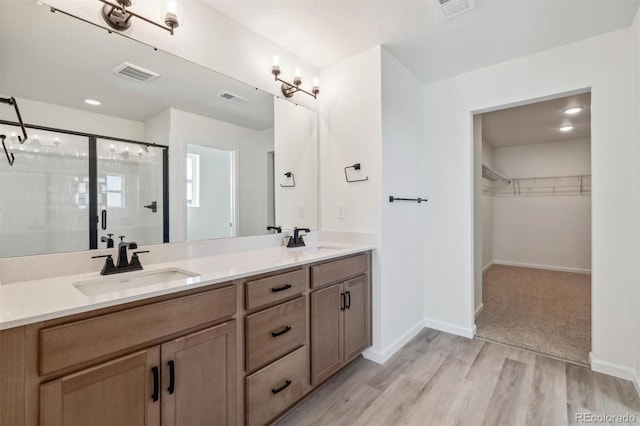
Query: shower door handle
[104, 219]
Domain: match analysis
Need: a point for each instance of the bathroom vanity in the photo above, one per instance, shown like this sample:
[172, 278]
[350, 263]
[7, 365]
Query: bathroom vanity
[241, 342]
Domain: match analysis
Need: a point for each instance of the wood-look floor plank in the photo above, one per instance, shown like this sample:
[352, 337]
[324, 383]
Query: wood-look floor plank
[504, 407]
[436, 403]
[441, 379]
[394, 404]
[548, 395]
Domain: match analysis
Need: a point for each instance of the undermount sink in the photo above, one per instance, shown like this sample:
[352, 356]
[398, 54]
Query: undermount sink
[317, 249]
[129, 280]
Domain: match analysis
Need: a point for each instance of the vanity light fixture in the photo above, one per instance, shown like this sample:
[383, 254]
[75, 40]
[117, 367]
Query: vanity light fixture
[573, 110]
[118, 16]
[288, 89]
[566, 129]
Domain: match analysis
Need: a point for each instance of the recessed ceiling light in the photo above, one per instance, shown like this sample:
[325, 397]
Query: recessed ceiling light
[92, 102]
[573, 110]
[566, 128]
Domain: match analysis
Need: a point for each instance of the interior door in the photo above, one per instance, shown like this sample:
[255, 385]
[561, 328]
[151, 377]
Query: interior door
[129, 192]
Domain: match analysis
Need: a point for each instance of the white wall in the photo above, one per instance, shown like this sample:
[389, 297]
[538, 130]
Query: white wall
[251, 149]
[552, 232]
[211, 218]
[483, 234]
[209, 38]
[635, 54]
[448, 162]
[350, 132]
[401, 249]
[487, 217]
[296, 151]
[559, 158]
[59, 117]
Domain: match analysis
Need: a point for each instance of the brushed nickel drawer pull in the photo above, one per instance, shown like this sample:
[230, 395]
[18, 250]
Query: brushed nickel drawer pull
[283, 288]
[280, 333]
[281, 388]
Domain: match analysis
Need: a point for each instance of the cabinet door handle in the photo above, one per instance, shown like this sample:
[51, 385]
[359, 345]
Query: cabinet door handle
[281, 388]
[283, 288]
[348, 300]
[156, 383]
[104, 219]
[280, 333]
[342, 301]
[172, 377]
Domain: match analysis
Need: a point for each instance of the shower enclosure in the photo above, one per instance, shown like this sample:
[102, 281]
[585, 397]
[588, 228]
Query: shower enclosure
[67, 190]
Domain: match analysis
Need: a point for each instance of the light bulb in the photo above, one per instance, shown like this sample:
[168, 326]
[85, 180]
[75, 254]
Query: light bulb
[297, 72]
[276, 60]
[316, 82]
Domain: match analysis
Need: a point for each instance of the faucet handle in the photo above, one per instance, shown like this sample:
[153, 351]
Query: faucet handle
[135, 261]
[109, 267]
[121, 238]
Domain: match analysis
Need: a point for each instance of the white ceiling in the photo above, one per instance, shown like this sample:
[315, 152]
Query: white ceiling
[324, 32]
[53, 58]
[538, 122]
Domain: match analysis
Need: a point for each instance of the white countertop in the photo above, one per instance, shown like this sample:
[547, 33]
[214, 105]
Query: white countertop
[28, 302]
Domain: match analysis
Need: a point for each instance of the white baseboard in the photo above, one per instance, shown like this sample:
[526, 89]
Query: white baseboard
[451, 328]
[615, 370]
[380, 357]
[478, 310]
[536, 266]
[489, 265]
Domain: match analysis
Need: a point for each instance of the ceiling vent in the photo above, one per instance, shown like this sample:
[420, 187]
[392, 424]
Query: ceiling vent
[134, 72]
[450, 8]
[228, 96]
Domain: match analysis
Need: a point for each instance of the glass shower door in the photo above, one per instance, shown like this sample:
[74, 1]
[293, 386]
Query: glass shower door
[44, 196]
[130, 196]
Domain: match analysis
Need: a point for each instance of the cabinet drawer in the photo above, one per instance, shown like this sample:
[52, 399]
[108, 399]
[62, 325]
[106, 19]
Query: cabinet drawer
[273, 289]
[338, 270]
[274, 332]
[277, 386]
[78, 342]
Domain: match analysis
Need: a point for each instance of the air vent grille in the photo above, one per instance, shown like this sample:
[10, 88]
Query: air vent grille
[450, 8]
[231, 97]
[135, 72]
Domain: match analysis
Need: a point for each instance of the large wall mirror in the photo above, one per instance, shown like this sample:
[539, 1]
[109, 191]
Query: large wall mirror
[173, 152]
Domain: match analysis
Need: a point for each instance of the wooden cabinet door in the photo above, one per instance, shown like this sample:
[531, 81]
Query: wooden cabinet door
[326, 332]
[118, 392]
[200, 378]
[357, 322]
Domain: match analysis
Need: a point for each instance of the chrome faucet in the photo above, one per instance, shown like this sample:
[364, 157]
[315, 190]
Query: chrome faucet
[123, 264]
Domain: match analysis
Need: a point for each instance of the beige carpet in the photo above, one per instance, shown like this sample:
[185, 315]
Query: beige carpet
[543, 311]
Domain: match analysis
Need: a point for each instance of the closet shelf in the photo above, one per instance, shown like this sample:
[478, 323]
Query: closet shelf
[490, 174]
[539, 186]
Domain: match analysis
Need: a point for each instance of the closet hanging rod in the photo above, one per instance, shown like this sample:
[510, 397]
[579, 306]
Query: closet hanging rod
[419, 200]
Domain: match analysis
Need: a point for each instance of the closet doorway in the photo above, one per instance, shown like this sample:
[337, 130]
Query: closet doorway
[532, 209]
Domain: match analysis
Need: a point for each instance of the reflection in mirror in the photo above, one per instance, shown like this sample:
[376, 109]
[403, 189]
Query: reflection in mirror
[186, 107]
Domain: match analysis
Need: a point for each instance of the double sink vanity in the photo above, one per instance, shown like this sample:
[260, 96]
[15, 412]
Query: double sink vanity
[235, 338]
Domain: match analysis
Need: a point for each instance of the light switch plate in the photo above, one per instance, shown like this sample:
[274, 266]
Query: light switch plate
[341, 212]
[300, 212]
